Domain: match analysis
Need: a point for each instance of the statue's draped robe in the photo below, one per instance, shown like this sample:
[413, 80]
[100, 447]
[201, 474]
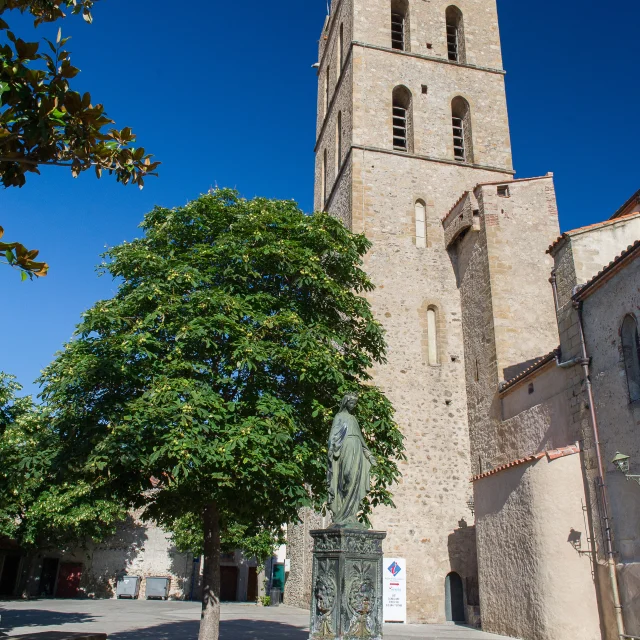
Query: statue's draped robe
[348, 474]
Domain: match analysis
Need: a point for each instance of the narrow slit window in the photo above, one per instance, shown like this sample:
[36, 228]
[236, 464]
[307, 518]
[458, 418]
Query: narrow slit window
[324, 179]
[339, 56]
[421, 224]
[338, 142]
[327, 90]
[402, 120]
[432, 333]
[631, 351]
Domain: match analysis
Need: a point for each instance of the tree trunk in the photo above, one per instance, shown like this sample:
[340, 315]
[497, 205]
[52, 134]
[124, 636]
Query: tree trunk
[210, 619]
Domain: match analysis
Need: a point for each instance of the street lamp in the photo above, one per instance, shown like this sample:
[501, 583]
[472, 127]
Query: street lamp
[621, 463]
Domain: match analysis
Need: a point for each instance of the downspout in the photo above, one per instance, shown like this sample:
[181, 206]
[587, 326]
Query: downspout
[611, 561]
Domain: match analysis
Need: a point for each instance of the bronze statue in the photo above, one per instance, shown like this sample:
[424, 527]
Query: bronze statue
[350, 462]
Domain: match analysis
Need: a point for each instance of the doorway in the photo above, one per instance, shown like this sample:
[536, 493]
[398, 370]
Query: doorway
[69, 580]
[454, 598]
[228, 584]
[252, 585]
[9, 576]
[48, 577]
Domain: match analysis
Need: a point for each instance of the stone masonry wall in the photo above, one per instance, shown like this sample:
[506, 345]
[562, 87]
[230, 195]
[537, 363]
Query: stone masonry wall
[431, 525]
[430, 398]
[507, 304]
[428, 28]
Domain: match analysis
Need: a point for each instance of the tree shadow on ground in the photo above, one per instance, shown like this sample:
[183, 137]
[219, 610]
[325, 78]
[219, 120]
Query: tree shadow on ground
[229, 630]
[37, 618]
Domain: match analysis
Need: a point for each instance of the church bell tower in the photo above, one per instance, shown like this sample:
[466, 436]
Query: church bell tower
[411, 114]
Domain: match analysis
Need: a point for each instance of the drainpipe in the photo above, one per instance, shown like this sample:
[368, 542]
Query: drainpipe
[611, 561]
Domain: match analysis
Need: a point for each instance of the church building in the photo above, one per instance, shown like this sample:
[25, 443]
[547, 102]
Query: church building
[504, 507]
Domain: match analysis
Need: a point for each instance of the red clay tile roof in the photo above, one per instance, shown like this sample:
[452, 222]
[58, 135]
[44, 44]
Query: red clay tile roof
[538, 364]
[568, 234]
[631, 253]
[458, 201]
[553, 454]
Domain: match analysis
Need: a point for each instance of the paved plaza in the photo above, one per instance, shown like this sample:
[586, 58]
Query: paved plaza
[157, 620]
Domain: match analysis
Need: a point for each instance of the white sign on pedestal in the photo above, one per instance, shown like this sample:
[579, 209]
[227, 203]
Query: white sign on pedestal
[395, 590]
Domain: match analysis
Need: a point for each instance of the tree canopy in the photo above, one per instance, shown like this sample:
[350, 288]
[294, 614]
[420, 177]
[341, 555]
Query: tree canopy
[237, 327]
[38, 507]
[44, 122]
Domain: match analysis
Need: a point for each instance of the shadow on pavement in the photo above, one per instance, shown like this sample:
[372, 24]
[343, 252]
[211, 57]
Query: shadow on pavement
[229, 630]
[38, 618]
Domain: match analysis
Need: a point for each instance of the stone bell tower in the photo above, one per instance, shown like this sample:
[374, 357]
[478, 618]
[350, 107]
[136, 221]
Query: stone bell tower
[411, 114]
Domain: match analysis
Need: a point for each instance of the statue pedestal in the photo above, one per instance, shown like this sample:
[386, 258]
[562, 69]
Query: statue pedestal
[346, 598]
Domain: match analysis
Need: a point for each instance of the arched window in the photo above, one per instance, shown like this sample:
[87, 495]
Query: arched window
[402, 120]
[338, 142]
[400, 25]
[462, 135]
[323, 178]
[432, 335]
[421, 224]
[455, 35]
[631, 350]
[327, 90]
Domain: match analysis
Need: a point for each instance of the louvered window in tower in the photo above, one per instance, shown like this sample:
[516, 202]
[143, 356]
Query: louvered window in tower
[397, 31]
[399, 128]
[455, 35]
[452, 42]
[402, 120]
[461, 123]
[458, 139]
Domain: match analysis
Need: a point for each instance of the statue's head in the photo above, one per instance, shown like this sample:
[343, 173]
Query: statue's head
[349, 402]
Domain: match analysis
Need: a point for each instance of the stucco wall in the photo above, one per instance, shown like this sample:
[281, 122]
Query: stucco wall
[536, 585]
[585, 252]
[139, 549]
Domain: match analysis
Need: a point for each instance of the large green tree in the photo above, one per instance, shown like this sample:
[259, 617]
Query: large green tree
[44, 122]
[217, 367]
[38, 507]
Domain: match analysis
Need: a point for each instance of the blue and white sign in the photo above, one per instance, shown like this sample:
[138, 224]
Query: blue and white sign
[395, 590]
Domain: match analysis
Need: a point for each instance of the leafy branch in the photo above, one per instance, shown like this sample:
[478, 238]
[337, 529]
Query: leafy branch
[19, 257]
[44, 122]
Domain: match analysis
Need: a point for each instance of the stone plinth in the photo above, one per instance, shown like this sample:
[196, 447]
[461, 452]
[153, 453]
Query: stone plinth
[346, 600]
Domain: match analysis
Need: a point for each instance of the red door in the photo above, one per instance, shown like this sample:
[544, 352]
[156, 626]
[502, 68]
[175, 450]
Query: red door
[69, 580]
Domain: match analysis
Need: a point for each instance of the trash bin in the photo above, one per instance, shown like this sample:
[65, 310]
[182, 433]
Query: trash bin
[128, 587]
[157, 588]
[275, 597]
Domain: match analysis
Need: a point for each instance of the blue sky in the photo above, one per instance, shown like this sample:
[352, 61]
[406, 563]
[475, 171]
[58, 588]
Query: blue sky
[224, 94]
